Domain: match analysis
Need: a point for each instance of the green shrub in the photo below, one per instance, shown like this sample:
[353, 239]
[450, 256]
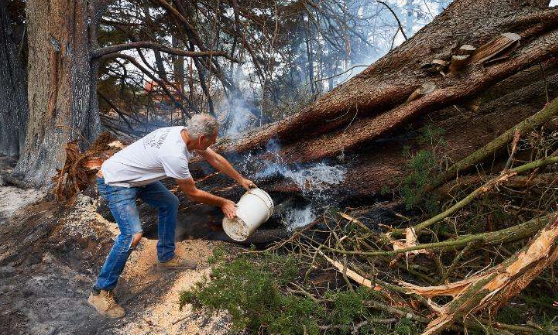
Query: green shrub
[405, 327]
[253, 289]
[422, 166]
[431, 136]
[548, 326]
[249, 289]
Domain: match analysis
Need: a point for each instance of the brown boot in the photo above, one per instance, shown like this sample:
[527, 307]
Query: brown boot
[105, 304]
[178, 263]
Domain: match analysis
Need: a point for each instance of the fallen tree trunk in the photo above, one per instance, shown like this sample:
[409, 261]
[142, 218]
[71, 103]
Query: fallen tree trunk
[382, 163]
[391, 80]
[361, 124]
[369, 129]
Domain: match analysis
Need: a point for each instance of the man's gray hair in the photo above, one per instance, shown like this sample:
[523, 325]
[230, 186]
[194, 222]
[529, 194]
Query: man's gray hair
[201, 124]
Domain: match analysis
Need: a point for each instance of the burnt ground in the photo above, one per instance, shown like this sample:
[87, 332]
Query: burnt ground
[50, 255]
[11, 197]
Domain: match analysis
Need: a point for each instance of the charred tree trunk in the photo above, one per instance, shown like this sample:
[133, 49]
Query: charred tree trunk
[13, 84]
[62, 93]
[160, 66]
[362, 123]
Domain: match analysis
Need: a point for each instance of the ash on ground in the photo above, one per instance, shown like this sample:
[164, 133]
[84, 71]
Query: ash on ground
[50, 256]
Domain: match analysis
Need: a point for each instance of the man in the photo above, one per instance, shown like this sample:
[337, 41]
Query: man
[135, 172]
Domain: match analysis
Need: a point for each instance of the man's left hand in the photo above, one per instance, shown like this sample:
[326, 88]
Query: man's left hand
[247, 184]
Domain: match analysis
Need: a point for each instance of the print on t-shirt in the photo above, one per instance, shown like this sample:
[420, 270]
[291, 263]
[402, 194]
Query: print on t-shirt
[157, 138]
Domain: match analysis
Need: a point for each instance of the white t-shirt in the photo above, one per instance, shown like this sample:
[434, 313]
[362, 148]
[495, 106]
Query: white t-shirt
[160, 154]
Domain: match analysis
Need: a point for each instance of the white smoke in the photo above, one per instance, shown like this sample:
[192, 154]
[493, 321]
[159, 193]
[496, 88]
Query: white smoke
[235, 110]
[238, 117]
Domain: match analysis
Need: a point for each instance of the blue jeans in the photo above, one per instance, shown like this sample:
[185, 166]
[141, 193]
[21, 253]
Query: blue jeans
[122, 204]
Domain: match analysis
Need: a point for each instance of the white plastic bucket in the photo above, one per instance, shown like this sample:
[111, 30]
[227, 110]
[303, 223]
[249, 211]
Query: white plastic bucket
[254, 208]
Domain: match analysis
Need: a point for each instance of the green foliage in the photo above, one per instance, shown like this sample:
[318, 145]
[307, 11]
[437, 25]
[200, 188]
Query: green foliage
[385, 190]
[348, 305]
[249, 289]
[432, 136]
[535, 298]
[548, 326]
[508, 314]
[422, 166]
[252, 289]
[406, 327]
[541, 299]
[218, 255]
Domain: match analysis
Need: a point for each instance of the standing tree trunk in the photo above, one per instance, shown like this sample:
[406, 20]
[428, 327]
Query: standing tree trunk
[13, 83]
[178, 65]
[62, 91]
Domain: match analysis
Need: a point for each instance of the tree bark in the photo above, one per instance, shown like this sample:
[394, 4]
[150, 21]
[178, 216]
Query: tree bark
[13, 83]
[375, 94]
[62, 93]
[362, 124]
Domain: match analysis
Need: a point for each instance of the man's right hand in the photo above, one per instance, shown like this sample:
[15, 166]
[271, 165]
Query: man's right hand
[188, 186]
[229, 209]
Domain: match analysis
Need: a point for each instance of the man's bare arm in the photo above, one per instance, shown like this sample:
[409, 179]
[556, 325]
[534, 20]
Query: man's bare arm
[220, 163]
[188, 186]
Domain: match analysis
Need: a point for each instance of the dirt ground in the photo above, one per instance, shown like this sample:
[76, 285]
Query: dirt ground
[12, 198]
[50, 256]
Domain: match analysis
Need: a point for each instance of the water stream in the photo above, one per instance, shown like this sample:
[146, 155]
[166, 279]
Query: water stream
[316, 182]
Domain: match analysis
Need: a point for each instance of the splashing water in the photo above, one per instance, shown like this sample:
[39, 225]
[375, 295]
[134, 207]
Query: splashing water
[298, 217]
[317, 178]
[312, 180]
[315, 181]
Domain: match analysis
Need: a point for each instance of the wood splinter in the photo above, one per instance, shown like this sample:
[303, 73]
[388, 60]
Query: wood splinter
[495, 47]
[435, 66]
[458, 62]
[466, 49]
